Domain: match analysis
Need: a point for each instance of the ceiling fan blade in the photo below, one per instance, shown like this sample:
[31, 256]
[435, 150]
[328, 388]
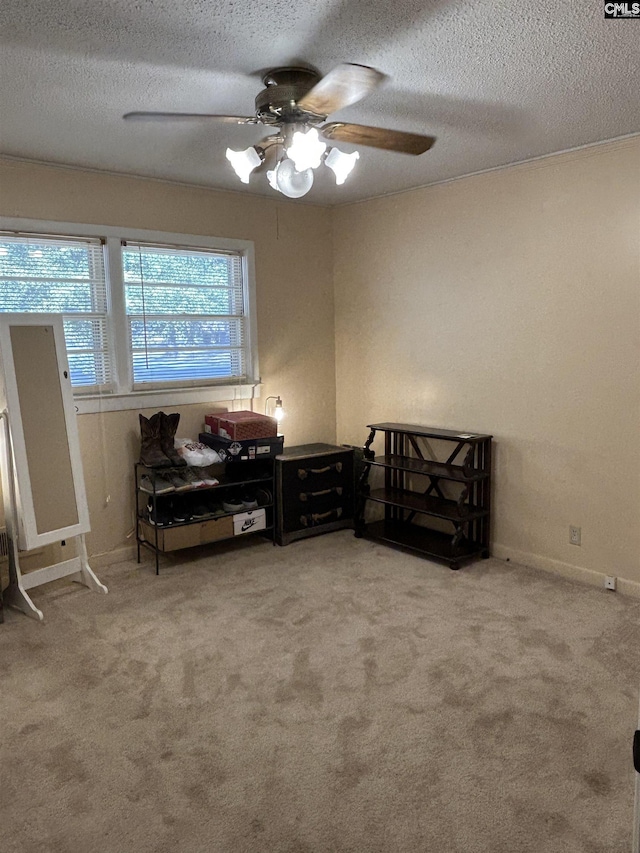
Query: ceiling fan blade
[342, 86]
[187, 117]
[378, 137]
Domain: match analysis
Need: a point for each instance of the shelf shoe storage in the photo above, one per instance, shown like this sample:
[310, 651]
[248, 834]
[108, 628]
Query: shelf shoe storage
[158, 531]
[436, 494]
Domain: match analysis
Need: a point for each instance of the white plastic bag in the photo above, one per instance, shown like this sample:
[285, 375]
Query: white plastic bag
[195, 453]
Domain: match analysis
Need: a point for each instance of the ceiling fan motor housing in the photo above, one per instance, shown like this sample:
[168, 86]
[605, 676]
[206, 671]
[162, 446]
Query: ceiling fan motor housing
[284, 88]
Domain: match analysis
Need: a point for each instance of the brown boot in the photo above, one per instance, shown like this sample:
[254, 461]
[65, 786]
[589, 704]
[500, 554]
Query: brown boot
[151, 453]
[168, 427]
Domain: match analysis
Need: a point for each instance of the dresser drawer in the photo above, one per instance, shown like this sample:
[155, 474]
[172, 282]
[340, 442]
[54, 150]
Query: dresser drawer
[315, 474]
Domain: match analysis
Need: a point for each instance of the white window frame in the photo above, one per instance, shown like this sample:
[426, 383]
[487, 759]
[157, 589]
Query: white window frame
[122, 398]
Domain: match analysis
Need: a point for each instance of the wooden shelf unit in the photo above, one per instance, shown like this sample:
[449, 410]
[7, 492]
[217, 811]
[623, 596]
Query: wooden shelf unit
[429, 473]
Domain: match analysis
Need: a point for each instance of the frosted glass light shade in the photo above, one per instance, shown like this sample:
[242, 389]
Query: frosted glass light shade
[271, 177]
[341, 164]
[244, 162]
[306, 150]
[290, 181]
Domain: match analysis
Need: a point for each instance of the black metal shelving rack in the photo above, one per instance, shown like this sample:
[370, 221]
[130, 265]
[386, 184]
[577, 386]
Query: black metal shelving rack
[231, 475]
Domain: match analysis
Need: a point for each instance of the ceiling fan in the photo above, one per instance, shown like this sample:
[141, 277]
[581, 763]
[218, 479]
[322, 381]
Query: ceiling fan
[296, 101]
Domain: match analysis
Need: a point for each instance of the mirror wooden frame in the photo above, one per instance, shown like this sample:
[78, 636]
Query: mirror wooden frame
[51, 502]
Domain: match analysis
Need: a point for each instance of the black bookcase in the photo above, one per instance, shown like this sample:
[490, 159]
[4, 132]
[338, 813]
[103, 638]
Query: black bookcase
[436, 491]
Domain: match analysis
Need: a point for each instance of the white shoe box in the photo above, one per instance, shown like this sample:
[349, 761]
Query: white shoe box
[245, 522]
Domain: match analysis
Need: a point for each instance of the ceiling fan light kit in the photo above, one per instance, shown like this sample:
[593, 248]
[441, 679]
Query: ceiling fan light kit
[296, 101]
[293, 173]
[288, 180]
[244, 162]
[306, 150]
[340, 163]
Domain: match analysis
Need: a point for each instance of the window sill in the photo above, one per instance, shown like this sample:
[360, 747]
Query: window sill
[91, 404]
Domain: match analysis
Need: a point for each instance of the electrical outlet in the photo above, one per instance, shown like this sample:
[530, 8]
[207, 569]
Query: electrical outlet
[575, 535]
[609, 583]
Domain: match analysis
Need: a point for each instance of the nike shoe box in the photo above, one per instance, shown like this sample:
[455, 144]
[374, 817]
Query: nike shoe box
[245, 522]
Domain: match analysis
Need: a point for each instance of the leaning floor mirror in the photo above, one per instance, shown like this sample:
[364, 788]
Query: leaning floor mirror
[43, 484]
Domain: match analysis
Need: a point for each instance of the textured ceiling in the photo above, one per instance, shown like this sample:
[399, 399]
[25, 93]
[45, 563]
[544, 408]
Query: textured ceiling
[496, 82]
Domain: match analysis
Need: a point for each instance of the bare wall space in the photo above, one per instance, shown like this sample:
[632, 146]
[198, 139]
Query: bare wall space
[509, 303]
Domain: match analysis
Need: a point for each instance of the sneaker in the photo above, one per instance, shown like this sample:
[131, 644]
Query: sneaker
[191, 478]
[181, 512]
[264, 497]
[248, 501]
[178, 481]
[232, 503]
[159, 517]
[156, 485]
[206, 478]
[215, 508]
[199, 510]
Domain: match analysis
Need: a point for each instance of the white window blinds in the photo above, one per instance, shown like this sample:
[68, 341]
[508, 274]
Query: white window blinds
[186, 315]
[62, 275]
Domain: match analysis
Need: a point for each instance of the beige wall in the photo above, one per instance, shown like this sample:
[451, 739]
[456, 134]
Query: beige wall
[509, 303]
[294, 306]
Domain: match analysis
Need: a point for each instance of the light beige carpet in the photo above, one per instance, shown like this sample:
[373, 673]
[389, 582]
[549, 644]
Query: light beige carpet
[333, 695]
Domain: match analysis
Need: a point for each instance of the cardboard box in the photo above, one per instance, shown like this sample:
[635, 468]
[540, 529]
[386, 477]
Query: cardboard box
[172, 538]
[242, 425]
[250, 448]
[211, 423]
[246, 522]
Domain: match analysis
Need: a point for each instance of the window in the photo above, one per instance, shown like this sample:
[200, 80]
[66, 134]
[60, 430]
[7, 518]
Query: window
[144, 314]
[62, 276]
[185, 312]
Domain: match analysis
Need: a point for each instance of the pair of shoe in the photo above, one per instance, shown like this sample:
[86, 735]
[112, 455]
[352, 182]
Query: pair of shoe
[157, 445]
[200, 511]
[207, 479]
[166, 513]
[234, 502]
[177, 481]
[264, 496]
[193, 478]
[160, 515]
[181, 511]
[156, 485]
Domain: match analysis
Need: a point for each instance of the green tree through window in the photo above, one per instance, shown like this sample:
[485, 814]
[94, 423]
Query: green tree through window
[185, 309]
[186, 314]
[61, 276]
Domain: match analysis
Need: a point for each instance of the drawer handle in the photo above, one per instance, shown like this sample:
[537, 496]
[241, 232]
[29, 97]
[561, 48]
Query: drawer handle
[303, 473]
[319, 517]
[337, 490]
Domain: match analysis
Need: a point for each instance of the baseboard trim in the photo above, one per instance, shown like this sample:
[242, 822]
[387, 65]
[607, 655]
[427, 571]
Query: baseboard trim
[501, 552]
[565, 570]
[120, 555]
